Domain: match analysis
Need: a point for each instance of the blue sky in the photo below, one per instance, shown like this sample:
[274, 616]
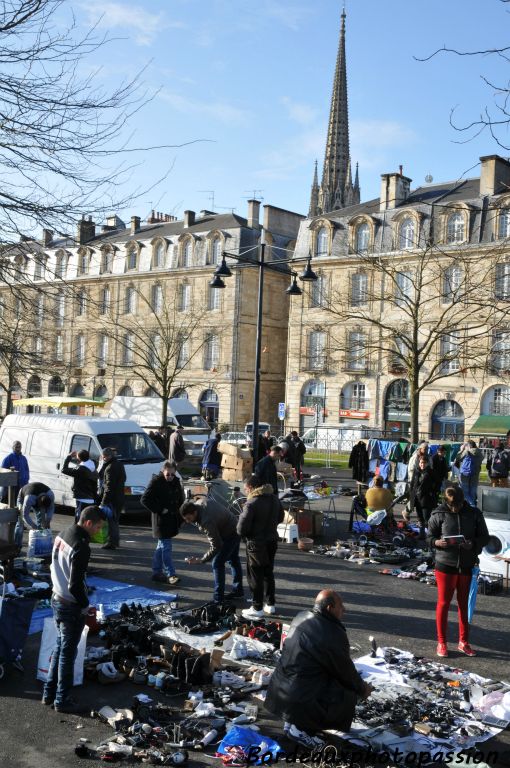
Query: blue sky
[252, 81]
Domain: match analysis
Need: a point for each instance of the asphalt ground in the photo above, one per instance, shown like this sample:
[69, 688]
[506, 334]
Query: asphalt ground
[397, 612]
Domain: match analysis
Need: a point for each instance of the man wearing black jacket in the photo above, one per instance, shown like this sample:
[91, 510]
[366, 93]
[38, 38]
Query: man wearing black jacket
[85, 479]
[265, 469]
[316, 669]
[163, 498]
[70, 603]
[112, 477]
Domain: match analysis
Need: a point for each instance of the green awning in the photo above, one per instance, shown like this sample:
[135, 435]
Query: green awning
[490, 425]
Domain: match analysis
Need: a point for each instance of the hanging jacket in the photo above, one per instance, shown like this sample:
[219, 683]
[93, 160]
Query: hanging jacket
[498, 463]
[358, 462]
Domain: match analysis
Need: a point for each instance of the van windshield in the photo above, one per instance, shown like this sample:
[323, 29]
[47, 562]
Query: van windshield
[192, 420]
[132, 447]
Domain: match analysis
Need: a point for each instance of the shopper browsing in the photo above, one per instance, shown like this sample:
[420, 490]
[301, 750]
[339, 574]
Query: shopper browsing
[163, 498]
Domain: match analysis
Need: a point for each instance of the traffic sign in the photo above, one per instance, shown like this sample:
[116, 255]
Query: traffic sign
[281, 411]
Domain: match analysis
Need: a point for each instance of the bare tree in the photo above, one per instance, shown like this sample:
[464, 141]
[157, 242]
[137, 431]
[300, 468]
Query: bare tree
[425, 315]
[495, 118]
[163, 341]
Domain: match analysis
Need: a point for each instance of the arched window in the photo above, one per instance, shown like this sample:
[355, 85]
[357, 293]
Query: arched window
[151, 392]
[158, 257]
[209, 405]
[55, 386]
[359, 289]
[106, 265]
[496, 401]
[354, 397]
[180, 392]
[318, 291]
[101, 391]
[34, 388]
[132, 258]
[362, 237]
[447, 421]
[406, 235]
[504, 223]
[187, 251]
[105, 301]
[452, 282]
[157, 299]
[216, 251]
[81, 303]
[455, 228]
[184, 299]
[321, 248]
[397, 407]
[128, 346]
[130, 300]
[78, 391]
[60, 266]
[312, 404]
[125, 391]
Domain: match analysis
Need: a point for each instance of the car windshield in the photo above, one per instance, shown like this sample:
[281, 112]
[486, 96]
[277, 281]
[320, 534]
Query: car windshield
[192, 420]
[132, 447]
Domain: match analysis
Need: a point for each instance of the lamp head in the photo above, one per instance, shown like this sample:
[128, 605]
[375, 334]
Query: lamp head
[223, 270]
[217, 282]
[308, 275]
[294, 289]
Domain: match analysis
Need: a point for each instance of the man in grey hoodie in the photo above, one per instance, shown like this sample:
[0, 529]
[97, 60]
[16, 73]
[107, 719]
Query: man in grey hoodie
[470, 458]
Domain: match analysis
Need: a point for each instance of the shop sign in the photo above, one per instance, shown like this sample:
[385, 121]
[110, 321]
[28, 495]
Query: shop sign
[346, 413]
[305, 410]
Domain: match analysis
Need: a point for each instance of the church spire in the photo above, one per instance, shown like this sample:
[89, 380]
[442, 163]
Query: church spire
[314, 197]
[335, 173]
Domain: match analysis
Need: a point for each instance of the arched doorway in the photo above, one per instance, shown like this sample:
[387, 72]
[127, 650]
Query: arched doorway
[209, 406]
[447, 421]
[397, 408]
[150, 392]
[312, 408]
[125, 391]
[101, 392]
[55, 386]
[180, 392]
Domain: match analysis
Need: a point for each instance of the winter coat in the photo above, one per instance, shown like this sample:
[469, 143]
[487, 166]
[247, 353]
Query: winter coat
[163, 499]
[379, 498]
[18, 462]
[218, 524]
[440, 469]
[315, 684]
[470, 462]
[413, 463]
[261, 514]
[470, 523]
[498, 463]
[112, 477]
[358, 462]
[84, 479]
[265, 469]
[423, 487]
[176, 451]
[69, 561]
[212, 456]
[291, 454]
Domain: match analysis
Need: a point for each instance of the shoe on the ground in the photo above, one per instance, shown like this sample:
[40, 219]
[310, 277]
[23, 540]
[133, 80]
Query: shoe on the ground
[304, 738]
[47, 701]
[466, 648]
[442, 650]
[270, 610]
[108, 546]
[70, 707]
[173, 579]
[107, 673]
[234, 596]
[252, 613]
[159, 577]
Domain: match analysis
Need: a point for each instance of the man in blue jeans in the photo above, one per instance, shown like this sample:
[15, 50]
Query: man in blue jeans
[219, 525]
[70, 603]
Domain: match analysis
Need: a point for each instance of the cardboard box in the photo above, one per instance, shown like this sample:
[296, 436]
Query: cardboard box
[229, 449]
[284, 468]
[245, 466]
[309, 523]
[234, 475]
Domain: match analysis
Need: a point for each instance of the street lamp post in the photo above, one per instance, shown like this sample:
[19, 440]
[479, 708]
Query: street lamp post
[308, 275]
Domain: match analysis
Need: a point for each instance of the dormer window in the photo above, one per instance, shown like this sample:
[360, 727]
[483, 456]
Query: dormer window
[406, 234]
[131, 258]
[187, 250]
[504, 224]
[158, 259]
[321, 248]
[456, 228]
[362, 237]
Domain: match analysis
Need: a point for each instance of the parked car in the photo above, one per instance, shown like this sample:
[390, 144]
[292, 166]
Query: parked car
[236, 438]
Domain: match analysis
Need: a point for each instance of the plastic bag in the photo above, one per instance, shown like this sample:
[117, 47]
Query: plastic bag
[107, 511]
[376, 518]
[48, 640]
[40, 543]
[245, 740]
[101, 536]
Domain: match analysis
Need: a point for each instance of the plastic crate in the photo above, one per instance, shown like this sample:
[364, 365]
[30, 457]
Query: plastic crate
[490, 583]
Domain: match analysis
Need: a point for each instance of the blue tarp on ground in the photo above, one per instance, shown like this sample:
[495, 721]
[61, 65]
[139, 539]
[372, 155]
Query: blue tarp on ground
[111, 594]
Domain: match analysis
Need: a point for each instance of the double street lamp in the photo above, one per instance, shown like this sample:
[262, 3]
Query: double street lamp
[223, 271]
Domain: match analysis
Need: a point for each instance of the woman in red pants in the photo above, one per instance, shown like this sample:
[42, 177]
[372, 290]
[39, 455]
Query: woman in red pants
[455, 558]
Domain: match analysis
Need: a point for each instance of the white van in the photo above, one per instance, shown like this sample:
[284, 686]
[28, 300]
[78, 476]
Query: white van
[48, 439]
[148, 413]
[334, 437]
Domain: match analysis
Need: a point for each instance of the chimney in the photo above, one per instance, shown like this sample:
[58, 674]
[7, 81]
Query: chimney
[189, 219]
[494, 175]
[86, 230]
[395, 190]
[47, 237]
[135, 224]
[253, 214]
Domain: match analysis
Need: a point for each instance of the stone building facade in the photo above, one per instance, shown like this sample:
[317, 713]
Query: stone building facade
[87, 304]
[348, 360]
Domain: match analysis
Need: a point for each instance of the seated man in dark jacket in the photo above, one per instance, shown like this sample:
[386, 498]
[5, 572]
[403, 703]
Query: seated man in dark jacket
[315, 685]
[257, 524]
[265, 469]
[219, 525]
[163, 498]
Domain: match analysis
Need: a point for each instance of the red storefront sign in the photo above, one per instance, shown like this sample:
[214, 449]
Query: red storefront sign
[306, 410]
[346, 413]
